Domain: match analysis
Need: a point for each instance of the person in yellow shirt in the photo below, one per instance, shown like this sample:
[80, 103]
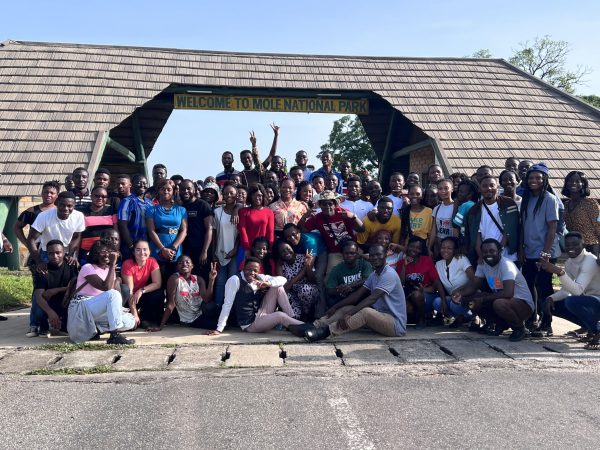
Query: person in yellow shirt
[384, 219]
[416, 219]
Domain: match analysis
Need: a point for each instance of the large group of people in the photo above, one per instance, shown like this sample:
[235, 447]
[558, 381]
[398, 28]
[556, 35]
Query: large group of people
[312, 250]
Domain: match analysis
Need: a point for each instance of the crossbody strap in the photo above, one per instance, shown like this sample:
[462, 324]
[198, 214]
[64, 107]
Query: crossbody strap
[493, 218]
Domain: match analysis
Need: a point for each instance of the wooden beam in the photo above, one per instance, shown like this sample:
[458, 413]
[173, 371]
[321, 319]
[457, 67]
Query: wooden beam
[120, 149]
[411, 148]
[440, 156]
[388, 144]
[138, 142]
[99, 147]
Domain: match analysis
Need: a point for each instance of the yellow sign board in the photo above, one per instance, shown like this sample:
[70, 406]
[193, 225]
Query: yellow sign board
[271, 104]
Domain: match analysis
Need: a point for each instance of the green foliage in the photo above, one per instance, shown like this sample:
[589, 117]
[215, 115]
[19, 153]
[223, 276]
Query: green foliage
[72, 371]
[67, 347]
[593, 100]
[547, 59]
[15, 289]
[349, 142]
[483, 53]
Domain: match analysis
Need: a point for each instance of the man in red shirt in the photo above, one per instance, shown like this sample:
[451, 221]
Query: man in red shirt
[334, 224]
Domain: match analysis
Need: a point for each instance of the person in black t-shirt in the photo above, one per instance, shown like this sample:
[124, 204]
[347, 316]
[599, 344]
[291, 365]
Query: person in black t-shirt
[49, 289]
[200, 225]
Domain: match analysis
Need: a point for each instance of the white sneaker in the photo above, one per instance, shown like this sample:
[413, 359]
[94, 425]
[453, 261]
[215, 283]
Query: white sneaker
[44, 333]
[33, 332]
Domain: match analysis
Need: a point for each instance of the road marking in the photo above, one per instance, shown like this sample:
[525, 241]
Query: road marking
[357, 436]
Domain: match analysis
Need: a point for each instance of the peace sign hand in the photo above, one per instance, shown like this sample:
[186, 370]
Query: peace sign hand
[213, 271]
[253, 139]
[275, 129]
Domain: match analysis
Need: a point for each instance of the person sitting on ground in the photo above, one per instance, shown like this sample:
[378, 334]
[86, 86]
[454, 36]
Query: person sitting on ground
[378, 304]
[142, 291]
[510, 302]
[49, 290]
[421, 281]
[96, 304]
[254, 298]
[347, 276]
[578, 300]
[415, 218]
[353, 202]
[384, 219]
[192, 297]
[455, 271]
[301, 286]
[335, 224]
[260, 251]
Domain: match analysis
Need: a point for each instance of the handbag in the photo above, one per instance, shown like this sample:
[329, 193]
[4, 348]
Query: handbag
[71, 292]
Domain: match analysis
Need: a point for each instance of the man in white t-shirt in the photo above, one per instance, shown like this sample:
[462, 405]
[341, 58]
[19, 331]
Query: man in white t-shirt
[396, 186]
[353, 202]
[63, 223]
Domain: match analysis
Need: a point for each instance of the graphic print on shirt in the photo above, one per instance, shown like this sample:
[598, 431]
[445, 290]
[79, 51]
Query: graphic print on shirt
[415, 278]
[495, 283]
[352, 278]
[337, 231]
[444, 227]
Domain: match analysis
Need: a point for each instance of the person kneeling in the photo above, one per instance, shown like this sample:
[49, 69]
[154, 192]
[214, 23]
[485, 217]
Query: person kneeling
[510, 302]
[379, 304]
[96, 304]
[189, 294]
[254, 297]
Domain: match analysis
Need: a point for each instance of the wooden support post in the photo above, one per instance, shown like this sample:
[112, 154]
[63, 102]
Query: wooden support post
[121, 149]
[386, 150]
[138, 142]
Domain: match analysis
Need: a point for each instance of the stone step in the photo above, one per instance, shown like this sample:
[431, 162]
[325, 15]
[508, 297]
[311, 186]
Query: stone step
[86, 359]
[201, 357]
[143, 359]
[524, 349]
[470, 350]
[24, 361]
[425, 351]
[298, 355]
[259, 355]
[360, 354]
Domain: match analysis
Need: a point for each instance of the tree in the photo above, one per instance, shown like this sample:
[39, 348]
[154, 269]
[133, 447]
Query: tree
[349, 142]
[546, 59]
[593, 100]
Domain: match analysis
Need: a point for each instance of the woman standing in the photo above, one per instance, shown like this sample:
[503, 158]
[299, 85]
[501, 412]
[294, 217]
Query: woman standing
[226, 241]
[301, 286]
[97, 304]
[581, 212]
[146, 300]
[442, 217]
[256, 220]
[454, 271]
[167, 227]
[416, 219]
[287, 209]
[98, 217]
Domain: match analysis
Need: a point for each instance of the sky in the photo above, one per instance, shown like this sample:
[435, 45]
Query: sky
[192, 141]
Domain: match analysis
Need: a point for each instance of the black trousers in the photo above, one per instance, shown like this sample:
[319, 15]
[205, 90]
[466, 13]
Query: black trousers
[540, 286]
[151, 306]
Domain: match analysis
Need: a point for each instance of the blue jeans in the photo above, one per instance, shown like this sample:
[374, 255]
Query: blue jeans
[587, 309]
[224, 273]
[37, 312]
[454, 309]
[429, 299]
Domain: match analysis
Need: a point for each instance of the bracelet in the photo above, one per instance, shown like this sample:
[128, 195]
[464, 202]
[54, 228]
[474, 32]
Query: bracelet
[544, 254]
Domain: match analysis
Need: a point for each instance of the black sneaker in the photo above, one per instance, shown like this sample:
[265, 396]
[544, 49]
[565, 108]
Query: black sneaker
[316, 334]
[543, 331]
[517, 335]
[119, 339]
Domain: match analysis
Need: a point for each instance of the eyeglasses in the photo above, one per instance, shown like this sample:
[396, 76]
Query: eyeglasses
[100, 196]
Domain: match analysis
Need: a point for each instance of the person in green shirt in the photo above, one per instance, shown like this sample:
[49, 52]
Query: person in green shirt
[347, 276]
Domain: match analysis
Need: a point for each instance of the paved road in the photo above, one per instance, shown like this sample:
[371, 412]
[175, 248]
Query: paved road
[423, 406]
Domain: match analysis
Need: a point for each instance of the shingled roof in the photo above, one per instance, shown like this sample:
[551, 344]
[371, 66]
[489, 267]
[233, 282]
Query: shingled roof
[57, 99]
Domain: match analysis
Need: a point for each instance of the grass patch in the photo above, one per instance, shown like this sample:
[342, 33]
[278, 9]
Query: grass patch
[67, 371]
[15, 289]
[66, 347]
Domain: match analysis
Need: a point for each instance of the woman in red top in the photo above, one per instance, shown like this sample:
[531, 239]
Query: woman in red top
[421, 281]
[256, 220]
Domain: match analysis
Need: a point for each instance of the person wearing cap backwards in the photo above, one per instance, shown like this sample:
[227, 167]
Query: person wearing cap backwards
[540, 215]
[210, 194]
[335, 225]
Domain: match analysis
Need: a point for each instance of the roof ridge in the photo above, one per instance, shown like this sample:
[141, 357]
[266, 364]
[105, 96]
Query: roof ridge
[225, 52]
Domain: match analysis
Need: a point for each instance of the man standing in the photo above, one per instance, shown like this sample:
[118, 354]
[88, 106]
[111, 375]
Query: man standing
[580, 288]
[396, 192]
[49, 289]
[348, 276]
[375, 192]
[327, 160]
[62, 223]
[301, 162]
[228, 170]
[353, 201]
[102, 178]
[253, 169]
[82, 193]
[493, 217]
[379, 304]
[199, 231]
[346, 172]
[123, 190]
[132, 216]
[159, 171]
[297, 175]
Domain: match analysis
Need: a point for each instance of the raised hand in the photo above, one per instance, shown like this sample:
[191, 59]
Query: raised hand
[253, 139]
[275, 128]
[213, 271]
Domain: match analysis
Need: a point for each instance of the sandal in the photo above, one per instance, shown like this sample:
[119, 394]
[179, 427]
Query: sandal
[587, 338]
[576, 333]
